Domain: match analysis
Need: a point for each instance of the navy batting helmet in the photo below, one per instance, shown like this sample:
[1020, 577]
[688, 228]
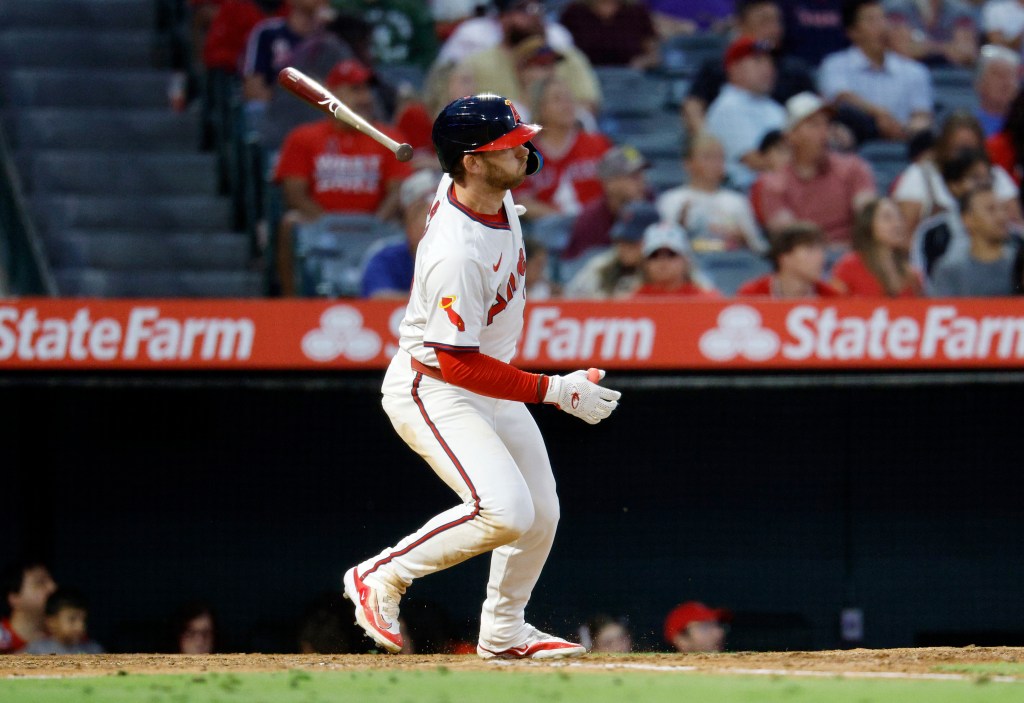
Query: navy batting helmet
[484, 122]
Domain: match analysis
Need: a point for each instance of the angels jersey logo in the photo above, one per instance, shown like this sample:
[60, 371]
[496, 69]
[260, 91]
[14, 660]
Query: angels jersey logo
[446, 304]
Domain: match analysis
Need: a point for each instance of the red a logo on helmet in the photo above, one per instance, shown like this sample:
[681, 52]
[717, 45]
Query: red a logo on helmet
[515, 112]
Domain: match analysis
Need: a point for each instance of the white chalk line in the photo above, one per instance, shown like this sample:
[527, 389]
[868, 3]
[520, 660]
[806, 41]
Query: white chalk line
[807, 673]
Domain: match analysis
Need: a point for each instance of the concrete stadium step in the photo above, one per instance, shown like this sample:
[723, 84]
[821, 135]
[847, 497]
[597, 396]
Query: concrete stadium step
[159, 284]
[78, 14]
[140, 250]
[103, 173]
[121, 130]
[71, 48]
[86, 87]
[196, 213]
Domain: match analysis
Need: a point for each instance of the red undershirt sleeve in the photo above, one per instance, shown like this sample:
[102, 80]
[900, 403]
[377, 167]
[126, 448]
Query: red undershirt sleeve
[488, 376]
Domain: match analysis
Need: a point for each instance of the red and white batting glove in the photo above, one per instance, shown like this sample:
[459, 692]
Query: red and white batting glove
[583, 398]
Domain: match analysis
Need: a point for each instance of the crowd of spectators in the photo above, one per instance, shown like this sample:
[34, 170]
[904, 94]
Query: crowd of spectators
[38, 617]
[777, 131]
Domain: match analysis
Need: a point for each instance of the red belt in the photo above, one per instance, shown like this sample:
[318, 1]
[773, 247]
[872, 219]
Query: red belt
[430, 371]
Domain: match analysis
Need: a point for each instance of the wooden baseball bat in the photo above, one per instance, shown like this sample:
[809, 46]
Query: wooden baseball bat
[305, 88]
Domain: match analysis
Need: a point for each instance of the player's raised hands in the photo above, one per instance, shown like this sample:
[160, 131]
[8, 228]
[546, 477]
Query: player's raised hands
[577, 395]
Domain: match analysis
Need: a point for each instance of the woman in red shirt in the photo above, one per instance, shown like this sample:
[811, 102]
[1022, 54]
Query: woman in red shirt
[1006, 147]
[879, 265]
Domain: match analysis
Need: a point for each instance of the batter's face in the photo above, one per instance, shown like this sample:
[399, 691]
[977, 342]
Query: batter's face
[504, 169]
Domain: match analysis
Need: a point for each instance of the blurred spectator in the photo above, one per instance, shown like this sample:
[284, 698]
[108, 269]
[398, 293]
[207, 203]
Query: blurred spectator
[776, 155]
[330, 167]
[603, 634]
[920, 190]
[388, 273]
[934, 236]
[984, 268]
[880, 94]
[1003, 22]
[315, 56]
[879, 264]
[743, 112]
[539, 285]
[814, 29]
[613, 32]
[229, 29]
[617, 273]
[403, 30]
[67, 614]
[621, 171]
[270, 46]
[996, 83]
[817, 185]
[714, 217]
[1006, 147]
[486, 32]
[497, 69]
[449, 14]
[27, 584]
[194, 629]
[415, 116]
[760, 20]
[673, 17]
[569, 178]
[935, 32]
[326, 627]
[797, 254]
[694, 627]
[667, 267]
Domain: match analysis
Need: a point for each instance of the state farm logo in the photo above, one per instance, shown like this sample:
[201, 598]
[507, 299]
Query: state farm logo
[739, 333]
[341, 333]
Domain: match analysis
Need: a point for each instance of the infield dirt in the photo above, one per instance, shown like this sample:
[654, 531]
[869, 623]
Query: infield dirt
[894, 661]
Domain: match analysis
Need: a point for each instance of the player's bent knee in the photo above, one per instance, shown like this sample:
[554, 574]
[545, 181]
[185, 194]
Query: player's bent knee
[511, 520]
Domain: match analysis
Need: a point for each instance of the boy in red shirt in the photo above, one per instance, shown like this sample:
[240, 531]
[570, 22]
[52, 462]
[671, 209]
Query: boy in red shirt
[667, 267]
[798, 254]
[330, 167]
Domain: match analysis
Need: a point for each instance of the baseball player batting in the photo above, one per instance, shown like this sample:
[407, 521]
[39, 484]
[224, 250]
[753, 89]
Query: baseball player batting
[454, 398]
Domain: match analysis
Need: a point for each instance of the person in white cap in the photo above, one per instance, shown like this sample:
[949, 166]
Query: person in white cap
[818, 185]
[668, 270]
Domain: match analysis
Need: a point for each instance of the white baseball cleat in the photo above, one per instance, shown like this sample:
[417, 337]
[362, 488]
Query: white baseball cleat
[538, 645]
[376, 611]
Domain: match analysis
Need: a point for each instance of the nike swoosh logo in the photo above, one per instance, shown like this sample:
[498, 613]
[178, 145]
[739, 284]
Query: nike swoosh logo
[499, 262]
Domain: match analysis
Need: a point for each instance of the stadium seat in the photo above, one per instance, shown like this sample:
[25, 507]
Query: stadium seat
[330, 252]
[730, 269]
[552, 231]
[567, 268]
[683, 55]
[666, 173]
[628, 91]
[887, 160]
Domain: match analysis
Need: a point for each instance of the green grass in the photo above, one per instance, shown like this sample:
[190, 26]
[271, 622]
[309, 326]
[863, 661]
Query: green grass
[442, 686]
[989, 669]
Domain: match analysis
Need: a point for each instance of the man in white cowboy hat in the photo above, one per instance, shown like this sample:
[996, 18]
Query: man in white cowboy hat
[818, 185]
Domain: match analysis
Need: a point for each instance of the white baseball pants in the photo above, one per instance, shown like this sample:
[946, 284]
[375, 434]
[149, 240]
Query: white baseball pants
[491, 453]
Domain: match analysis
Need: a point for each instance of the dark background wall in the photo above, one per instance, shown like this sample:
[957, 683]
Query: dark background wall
[785, 499]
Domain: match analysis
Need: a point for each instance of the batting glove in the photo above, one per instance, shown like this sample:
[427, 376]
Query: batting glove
[574, 394]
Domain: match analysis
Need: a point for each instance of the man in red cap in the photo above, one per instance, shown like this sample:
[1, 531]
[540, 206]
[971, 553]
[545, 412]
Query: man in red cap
[744, 111]
[329, 167]
[694, 627]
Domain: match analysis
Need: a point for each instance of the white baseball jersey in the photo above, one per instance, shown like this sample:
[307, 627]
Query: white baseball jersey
[468, 290]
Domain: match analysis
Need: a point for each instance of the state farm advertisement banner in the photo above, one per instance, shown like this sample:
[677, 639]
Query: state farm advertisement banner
[701, 335]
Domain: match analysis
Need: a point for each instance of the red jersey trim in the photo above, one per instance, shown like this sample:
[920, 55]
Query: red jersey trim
[497, 221]
[450, 347]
